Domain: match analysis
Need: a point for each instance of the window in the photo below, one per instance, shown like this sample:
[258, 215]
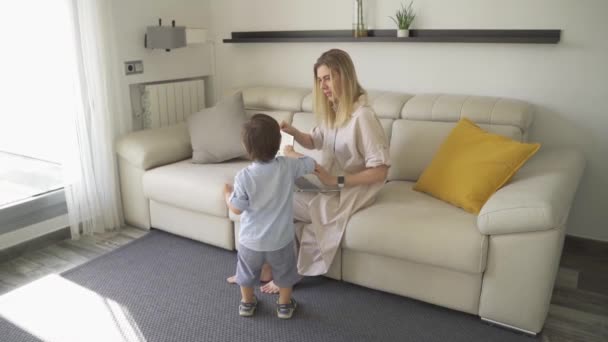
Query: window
[38, 70]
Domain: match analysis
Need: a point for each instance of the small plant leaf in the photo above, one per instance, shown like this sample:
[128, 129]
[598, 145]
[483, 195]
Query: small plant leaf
[404, 16]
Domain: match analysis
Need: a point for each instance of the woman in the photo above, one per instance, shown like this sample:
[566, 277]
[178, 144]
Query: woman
[355, 157]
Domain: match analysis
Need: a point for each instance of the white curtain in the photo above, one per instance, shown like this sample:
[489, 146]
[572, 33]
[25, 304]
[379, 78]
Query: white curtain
[92, 191]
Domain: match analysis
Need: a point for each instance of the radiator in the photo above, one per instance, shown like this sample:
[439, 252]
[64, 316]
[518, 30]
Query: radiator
[166, 104]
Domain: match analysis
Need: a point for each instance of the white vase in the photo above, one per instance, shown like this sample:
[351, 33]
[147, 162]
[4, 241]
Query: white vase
[403, 33]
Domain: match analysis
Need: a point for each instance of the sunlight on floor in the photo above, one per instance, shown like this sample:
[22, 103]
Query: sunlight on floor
[55, 309]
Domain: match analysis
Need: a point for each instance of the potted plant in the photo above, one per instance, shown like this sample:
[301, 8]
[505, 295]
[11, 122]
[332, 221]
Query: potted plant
[404, 18]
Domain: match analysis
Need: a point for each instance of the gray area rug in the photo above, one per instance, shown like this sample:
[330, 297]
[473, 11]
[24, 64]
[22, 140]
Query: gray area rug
[174, 289]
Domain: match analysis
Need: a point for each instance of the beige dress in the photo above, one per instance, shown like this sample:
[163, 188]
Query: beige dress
[359, 144]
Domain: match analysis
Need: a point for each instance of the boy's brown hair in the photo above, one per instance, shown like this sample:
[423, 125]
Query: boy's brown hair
[261, 136]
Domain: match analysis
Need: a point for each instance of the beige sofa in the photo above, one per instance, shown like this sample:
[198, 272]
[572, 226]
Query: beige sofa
[500, 265]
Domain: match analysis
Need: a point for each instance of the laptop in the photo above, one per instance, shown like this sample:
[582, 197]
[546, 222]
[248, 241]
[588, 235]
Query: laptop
[311, 183]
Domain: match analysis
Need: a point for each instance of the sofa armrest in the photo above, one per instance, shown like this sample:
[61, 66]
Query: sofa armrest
[155, 147]
[537, 198]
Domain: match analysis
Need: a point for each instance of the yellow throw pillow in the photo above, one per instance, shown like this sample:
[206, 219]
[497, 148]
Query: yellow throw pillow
[471, 165]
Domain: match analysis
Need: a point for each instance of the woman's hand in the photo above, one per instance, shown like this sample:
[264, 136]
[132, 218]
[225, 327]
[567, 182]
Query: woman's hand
[287, 128]
[324, 176]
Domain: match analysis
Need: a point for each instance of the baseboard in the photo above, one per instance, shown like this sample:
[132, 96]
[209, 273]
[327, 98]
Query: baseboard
[35, 244]
[590, 247]
[509, 327]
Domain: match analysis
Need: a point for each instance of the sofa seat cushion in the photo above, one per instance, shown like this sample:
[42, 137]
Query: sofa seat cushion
[197, 187]
[406, 224]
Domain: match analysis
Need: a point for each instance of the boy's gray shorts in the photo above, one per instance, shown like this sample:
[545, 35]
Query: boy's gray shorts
[282, 261]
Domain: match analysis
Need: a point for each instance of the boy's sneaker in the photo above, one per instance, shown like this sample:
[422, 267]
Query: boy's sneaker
[285, 311]
[248, 309]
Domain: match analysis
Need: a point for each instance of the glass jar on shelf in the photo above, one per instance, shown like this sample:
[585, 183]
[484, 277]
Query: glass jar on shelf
[359, 19]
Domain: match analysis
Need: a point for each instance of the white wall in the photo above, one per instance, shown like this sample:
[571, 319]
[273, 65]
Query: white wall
[566, 82]
[131, 18]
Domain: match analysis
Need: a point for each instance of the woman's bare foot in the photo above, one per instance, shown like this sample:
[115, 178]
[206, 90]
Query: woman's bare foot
[265, 276]
[269, 287]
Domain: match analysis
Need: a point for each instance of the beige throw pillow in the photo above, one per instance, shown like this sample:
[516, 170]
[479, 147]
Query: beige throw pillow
[215, 133]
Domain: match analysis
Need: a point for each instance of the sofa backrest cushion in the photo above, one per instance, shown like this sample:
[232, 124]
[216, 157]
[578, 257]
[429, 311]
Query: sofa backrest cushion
[415, 124]
[414, 143]
[479, 109]
[305, 122]
[426, 120]
[279, 115]
[273, 98]
[386, 104]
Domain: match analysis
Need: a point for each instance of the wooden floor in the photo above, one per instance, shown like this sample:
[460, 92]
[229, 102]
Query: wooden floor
[61, 256]
[577, 313]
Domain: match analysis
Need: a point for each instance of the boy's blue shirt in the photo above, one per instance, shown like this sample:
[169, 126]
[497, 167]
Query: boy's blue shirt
[263, 192]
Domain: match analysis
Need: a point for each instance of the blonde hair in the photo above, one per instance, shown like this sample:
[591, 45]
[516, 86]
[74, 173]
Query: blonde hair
[349, 89]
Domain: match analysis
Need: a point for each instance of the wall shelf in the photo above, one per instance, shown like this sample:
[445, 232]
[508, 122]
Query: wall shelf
[387, 36]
